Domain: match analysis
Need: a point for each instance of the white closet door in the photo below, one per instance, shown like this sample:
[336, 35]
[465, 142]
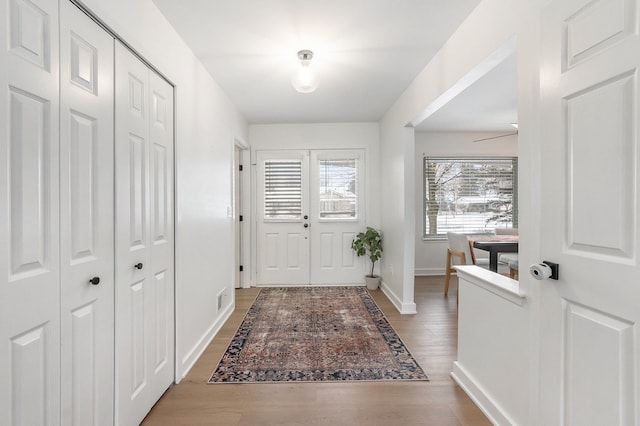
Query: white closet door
[144, 237]
[29, 209]
[161, 351]
[86, 219]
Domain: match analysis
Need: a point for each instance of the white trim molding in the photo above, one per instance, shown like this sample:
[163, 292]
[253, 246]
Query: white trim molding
[428, 272]
[187, 362]
[505, 287]
[403, 308]
[487, 405]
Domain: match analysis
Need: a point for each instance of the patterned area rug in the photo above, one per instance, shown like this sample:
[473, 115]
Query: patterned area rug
[314, 334]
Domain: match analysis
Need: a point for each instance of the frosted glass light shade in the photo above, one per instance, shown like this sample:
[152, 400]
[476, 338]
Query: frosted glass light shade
[305, 80]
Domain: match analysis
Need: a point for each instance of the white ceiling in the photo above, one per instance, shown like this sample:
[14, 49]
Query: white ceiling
[488, 105]
[366, 53]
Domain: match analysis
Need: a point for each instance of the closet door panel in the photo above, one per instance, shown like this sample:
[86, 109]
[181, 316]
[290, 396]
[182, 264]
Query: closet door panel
[29, 213]
[133, 289]
[144, 237]
[86, 221]
[137, 192]
[162, 242]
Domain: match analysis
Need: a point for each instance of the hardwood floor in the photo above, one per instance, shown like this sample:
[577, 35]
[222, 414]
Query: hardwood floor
[431, 336]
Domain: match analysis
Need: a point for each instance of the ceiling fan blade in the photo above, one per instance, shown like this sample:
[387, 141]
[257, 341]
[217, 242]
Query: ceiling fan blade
[495, 137]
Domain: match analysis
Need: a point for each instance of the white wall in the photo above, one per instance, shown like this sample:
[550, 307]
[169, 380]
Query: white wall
[325, 136]
[491, 32]
[431, 255]
[483, 39]
[206, 125]
[316, 136]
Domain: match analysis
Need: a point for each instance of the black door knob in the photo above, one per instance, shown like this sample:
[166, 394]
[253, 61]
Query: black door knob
[138, 265]
[306, 225]
[95, 280]
[306, 217]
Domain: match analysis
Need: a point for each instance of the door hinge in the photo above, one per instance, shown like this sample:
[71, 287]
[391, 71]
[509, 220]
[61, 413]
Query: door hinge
[240, 167]
[241, 268]
[240, 218]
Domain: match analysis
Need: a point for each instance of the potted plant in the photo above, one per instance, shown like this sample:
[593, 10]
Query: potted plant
[369, 243]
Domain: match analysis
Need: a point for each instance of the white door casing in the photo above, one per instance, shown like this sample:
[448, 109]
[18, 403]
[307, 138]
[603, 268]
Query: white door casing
[144, 237]
[29, 214]
[283, 241]
[590, 223]
[86, 219]
[311, 244]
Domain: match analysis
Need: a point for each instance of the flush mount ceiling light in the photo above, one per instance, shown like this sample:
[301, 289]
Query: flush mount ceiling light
[305, 80]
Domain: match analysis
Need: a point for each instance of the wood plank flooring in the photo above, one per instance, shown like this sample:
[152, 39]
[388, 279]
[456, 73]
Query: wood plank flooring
[431, 336]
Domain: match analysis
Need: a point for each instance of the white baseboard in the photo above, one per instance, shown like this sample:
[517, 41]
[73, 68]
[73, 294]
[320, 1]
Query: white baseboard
[428, 272]
[486, 404]
[403, 308]
[190, 359]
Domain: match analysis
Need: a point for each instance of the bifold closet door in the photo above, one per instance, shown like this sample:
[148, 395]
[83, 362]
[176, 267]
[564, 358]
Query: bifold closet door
[86, 219]
[29, 213]
[144, 237]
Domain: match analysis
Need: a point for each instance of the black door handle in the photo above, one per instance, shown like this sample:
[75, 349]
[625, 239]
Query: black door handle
[306, 217]
[138, 265]
[306, 225]
[95, 280]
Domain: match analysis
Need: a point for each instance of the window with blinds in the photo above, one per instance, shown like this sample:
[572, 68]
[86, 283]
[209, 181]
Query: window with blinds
[282, 189]
[338, 189]
[469, 195]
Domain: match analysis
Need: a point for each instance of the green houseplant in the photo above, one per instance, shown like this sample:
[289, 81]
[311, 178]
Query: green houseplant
[369, 243]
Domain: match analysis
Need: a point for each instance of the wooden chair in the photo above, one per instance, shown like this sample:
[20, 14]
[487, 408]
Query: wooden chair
[459, 251]
[512, 260]
[506, 258]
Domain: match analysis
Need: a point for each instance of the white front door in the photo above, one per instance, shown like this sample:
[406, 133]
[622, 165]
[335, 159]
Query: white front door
[590, 224]
[336, 215]
[144, 237]
[283, 213]
[310, 206]
[86, 219]
[29, 214]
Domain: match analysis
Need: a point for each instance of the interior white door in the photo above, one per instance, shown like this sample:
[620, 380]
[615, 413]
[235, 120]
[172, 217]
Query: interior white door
[237, 216]
[336, 215]
[144, 237]
[589, 330]
[86, 219]
[29, 214]
[283, 212]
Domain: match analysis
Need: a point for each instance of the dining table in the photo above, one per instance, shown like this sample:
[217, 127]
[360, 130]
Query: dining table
[494, 244]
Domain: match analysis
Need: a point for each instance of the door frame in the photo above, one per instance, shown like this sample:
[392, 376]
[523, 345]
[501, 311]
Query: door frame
[244, 192]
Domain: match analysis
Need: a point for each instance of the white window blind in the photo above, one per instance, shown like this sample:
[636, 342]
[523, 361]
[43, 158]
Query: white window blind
[338, 189]
[469, 195]
[282, 189]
